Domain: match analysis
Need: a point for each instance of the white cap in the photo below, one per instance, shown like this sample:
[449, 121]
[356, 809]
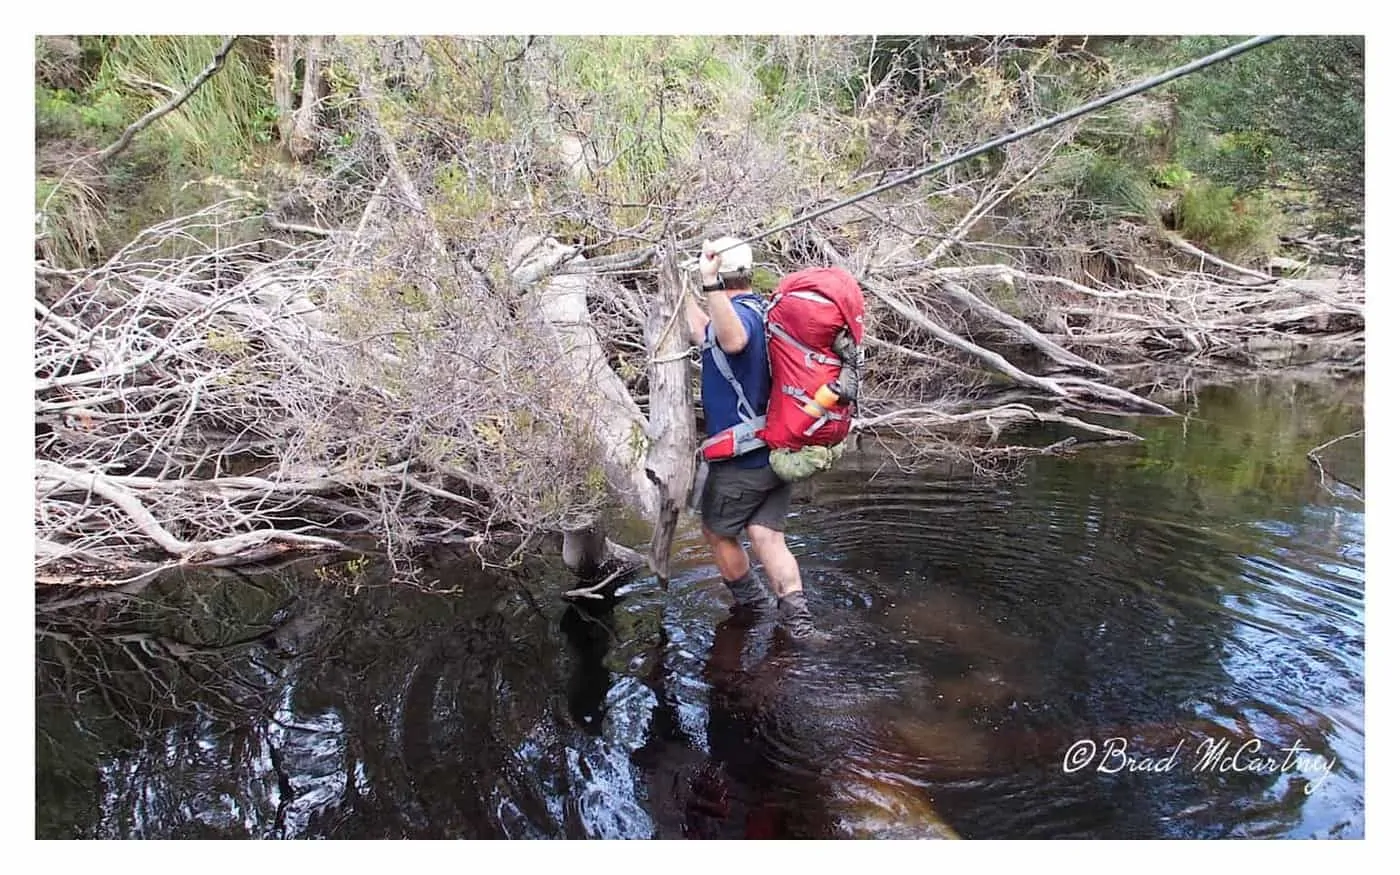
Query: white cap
[734, 256]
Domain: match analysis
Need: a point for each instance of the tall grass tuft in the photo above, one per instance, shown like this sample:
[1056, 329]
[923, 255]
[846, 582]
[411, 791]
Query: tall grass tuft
[69, 217]
[1104, 187]
[218, 127]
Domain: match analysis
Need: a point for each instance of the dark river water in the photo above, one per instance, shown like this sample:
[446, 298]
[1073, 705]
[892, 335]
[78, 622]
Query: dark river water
[1163, 640]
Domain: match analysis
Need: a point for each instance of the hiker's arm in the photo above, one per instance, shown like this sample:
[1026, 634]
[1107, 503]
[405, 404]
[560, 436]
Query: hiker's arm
[697, 319]
[730, 332]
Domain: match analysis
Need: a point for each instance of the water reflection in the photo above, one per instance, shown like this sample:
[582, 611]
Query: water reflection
[1205, 589]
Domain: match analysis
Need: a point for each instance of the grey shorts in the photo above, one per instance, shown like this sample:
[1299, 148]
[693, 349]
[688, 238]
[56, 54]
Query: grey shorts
[737, 497]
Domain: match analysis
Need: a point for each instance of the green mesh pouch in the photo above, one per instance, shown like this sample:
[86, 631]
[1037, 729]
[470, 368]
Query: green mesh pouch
[795, 465]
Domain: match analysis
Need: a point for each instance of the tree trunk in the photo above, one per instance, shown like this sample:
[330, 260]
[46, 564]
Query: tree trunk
[618, 426]
[302, 141]
[560, 308]
[670, 460]
[284, 62]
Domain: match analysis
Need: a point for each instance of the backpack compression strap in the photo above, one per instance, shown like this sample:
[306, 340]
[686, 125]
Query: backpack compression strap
[721, 361]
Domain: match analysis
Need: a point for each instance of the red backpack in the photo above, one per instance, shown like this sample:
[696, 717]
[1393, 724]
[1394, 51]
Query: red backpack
[808, 310]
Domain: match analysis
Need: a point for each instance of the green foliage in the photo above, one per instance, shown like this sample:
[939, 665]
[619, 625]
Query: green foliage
[648, 97]
[795, 77]
[1227, 223]
[1104, 187]
[107, 83]
[493, 127]
[459, 203]
[1171, 175]
[1291, 113]
[596, 483]
[772, 77]
[64, 113]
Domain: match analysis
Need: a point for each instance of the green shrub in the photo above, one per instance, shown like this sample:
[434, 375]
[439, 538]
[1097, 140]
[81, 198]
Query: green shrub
[1171, 175]
[1231, 225]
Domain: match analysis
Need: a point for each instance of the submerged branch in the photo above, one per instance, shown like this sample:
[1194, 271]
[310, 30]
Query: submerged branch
[147, 524]
[1322, 473]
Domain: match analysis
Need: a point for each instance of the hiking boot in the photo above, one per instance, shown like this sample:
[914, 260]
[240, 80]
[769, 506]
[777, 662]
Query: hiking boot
[748, 592]
[795, 619]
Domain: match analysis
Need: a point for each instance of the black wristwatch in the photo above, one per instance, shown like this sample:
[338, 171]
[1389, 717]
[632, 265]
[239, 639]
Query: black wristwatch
[717, 287]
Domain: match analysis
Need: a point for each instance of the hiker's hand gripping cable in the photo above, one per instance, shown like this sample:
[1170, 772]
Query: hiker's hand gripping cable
[730, 333]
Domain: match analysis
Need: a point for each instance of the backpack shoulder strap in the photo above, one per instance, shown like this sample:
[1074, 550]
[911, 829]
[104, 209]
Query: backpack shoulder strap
[721, 360]
[755, 305]
[722, 365]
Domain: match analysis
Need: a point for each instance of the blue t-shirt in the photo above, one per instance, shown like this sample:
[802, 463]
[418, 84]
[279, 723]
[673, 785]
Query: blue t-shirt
[750, 367]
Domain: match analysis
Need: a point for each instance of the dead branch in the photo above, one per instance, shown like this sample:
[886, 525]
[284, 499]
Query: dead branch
[594, 591]
[277, 224]
[1005, 273]
[169, 106]
[1021, 329]
[996, 418]
[212, 401]
[1177, 242]
[149, 526]
[994, 360]
[399, 171]
[1322, 473]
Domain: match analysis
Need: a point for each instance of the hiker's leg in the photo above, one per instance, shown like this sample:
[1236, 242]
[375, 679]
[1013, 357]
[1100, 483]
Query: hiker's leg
[722, 521]
[726, 505]
[778, 562]
[729, 554]
[770, 545]
[765, 530]
[734, 568]
[794, 616]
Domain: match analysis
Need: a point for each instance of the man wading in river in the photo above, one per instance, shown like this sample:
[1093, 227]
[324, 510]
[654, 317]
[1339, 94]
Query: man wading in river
[742, 494]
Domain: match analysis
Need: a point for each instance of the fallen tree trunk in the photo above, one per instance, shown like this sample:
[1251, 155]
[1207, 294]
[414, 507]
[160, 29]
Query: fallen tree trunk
[559, 306]
[648, 461]
[670, 461]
